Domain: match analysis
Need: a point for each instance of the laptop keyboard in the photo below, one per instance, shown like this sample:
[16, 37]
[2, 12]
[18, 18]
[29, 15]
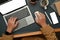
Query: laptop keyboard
[20, 14]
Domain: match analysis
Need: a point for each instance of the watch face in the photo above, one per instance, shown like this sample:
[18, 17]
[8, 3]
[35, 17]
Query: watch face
[3, 1]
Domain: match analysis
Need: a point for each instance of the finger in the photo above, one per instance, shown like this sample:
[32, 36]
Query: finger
[38, 15]
[16, 23]
[36, 20]
[14, 19]
[36, 12]
[42, 14]
[10, 19]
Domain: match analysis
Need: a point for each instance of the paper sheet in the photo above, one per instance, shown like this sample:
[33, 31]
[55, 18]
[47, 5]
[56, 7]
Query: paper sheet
[12, 5]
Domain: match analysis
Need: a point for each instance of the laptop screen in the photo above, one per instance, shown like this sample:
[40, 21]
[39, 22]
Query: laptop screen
[11, 5]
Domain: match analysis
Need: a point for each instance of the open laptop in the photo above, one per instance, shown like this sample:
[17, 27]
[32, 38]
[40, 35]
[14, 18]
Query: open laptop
[24, 17]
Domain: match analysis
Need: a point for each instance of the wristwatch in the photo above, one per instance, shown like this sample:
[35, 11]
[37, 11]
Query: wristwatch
[7, 33]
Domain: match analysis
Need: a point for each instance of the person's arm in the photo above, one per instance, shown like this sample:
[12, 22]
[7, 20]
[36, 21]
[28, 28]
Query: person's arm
[0, 38]
[46, 29]
[12, 23]
[49, 33]
[7, 37]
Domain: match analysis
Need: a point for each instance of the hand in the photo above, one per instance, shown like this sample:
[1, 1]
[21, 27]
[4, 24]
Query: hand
[40, 18]
[12, 24]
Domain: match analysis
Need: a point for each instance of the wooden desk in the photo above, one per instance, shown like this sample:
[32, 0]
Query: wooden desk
[32, 33]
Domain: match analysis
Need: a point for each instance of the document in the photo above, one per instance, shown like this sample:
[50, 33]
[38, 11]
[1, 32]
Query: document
[12, 5]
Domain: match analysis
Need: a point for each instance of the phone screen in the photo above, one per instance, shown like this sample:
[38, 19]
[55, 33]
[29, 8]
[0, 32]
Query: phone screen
[54, 18]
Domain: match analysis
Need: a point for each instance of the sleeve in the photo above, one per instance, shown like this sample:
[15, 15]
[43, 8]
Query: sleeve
[49, 33]
[0, 38]
[6, 37]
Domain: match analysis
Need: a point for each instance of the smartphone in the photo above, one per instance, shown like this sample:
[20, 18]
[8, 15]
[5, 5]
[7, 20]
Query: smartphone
[54, 18]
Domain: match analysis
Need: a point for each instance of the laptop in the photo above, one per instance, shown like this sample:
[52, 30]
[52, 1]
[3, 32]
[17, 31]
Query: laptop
[24, 16]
